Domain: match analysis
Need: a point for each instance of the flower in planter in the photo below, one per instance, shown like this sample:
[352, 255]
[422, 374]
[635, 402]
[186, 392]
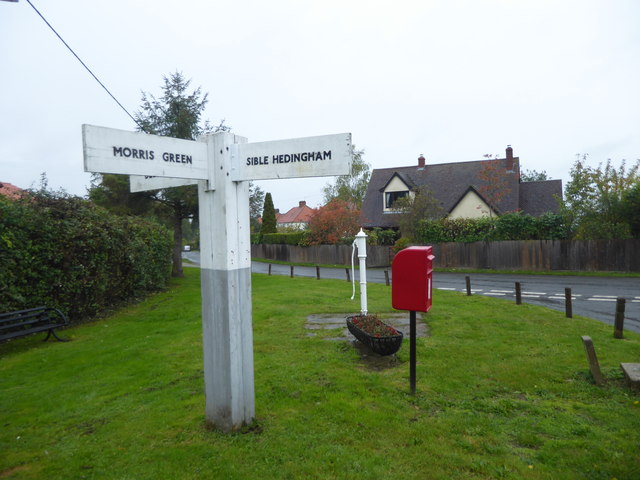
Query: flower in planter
[373, 326]
[377, 335]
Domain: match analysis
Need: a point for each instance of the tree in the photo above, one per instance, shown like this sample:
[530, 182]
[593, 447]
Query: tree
[631, 208]
[593, 206]
[332, 223]
[353, 187]
[495, 186]
[533, 176]
[268, 216]
[112, 192]
[256, 201]
[177, 113]
[420, 205]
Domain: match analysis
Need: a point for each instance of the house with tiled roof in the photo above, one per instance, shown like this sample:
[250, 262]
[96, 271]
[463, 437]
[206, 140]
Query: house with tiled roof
[296, 218]
[11, 191]
[463, 190]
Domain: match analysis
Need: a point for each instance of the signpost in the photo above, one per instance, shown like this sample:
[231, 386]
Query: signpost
[221, 164]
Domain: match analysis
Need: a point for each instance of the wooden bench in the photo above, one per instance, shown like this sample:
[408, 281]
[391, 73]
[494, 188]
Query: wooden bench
[32, 320]
[631, 373]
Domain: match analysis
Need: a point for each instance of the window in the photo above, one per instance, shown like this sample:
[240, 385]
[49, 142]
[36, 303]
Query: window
[391, 197]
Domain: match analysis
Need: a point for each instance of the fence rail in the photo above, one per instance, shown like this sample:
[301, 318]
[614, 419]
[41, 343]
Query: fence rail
[322, 254]
[543, 255]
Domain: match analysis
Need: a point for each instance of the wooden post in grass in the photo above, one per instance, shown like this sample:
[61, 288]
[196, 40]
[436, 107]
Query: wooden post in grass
[317, 272]
[269, 269]
[568, 306]
[518, 294]
[291, 275]
[386, 277]
[594, 366]
[618, 326]
[348, 275]
[467, 280]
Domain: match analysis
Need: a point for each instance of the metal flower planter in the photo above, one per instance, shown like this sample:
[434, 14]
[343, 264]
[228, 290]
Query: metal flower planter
[382, 345]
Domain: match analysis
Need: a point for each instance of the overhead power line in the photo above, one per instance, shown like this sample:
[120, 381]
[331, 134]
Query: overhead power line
[84, 65]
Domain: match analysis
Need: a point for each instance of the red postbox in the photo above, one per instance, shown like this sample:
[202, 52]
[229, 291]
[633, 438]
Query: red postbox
[412, 278]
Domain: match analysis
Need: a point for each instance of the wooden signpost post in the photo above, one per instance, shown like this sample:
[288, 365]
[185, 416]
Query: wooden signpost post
[221, 164]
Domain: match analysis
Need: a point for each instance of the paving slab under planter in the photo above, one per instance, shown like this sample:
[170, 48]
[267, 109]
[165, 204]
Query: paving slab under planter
[333, 321]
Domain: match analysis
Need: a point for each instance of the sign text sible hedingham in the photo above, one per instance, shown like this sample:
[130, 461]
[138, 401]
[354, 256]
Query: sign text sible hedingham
[222, 165]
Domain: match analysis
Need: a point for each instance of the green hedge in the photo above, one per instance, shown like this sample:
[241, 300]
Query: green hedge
[65, 252]
[377, 236]
[293, 238]
[510, 226]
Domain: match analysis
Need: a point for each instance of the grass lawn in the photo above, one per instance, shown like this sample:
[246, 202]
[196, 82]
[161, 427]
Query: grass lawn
[504, 391]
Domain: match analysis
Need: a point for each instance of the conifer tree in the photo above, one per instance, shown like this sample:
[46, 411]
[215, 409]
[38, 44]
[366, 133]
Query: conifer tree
[268, 215]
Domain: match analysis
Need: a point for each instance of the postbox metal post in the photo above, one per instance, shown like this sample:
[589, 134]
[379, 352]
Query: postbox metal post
[412, 351]
[361, 245]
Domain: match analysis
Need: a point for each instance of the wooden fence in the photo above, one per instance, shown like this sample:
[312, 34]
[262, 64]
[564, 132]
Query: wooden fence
[322, 254]
[543, 255]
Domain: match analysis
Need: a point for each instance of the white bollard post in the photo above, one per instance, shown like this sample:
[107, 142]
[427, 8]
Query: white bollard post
[361, 244]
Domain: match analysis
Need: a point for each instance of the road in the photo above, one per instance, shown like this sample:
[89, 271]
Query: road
[593, 297]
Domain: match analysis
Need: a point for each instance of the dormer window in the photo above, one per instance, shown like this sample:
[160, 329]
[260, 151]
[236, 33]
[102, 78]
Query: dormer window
[392, 197]
[398, 186]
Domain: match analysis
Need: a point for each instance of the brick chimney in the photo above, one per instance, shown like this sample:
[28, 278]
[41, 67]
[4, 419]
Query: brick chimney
[509, 158]
[302, 203]
[421, 161]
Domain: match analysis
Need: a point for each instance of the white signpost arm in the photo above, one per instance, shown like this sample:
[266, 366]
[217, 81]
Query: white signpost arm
[226, 291]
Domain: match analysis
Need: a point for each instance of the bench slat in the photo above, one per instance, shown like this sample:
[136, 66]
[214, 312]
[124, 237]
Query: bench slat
[19, 318]
[30, 321]
[20, 333]
[24, 322]
[28, 311]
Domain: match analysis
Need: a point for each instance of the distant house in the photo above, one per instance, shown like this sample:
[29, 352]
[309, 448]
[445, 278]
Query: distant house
[297, 218]
[459, 188]
[11, 191]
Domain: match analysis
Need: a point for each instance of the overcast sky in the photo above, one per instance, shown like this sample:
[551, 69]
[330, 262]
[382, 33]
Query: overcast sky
[452, 80]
